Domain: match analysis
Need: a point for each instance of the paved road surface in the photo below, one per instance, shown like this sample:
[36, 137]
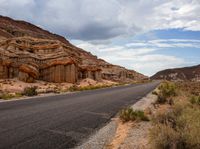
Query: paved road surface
[63, 121]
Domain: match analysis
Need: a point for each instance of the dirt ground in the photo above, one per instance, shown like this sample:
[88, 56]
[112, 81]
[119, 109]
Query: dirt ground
[16, 86]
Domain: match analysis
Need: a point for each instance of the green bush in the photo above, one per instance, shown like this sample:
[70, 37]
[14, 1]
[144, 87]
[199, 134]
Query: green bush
[128, 114]
[30, 91]
[167, 90]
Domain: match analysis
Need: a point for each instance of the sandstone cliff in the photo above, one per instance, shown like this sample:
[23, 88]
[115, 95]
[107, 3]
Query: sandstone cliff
[30, 53]
[179, 74]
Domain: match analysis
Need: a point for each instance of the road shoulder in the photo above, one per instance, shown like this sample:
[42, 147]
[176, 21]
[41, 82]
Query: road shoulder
[117, 134]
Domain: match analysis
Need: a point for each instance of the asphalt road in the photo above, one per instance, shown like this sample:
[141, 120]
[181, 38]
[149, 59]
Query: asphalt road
[63, 121]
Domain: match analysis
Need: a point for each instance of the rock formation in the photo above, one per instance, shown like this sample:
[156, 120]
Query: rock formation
[30, 53]
[179, 74]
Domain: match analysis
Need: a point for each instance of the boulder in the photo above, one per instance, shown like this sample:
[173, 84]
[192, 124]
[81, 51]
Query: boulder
[28, 73]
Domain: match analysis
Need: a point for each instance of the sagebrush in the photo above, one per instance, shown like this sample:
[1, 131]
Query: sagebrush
[128, 114]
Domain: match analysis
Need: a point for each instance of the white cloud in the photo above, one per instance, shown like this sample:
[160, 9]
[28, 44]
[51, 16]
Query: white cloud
[166, 43]
[149, 64]
[103, 19]
[22, 9]
[144, 58]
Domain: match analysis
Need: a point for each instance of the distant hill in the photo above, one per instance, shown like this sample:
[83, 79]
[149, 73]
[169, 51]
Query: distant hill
[179, 74]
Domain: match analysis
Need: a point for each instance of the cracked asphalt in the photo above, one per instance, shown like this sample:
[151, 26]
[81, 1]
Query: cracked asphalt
[63, 121]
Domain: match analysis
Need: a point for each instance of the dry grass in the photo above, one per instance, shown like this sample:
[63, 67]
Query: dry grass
[85, 88]
[8, 96]
[179, 126]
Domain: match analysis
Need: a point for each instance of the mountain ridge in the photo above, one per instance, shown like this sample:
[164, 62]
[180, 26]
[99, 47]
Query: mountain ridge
[189, 73]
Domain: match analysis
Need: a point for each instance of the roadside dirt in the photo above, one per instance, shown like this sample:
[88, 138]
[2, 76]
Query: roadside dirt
[134, 135]
[14, 86]
[120, 135]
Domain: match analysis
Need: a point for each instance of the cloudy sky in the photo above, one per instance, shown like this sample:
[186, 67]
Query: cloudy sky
[145, 35]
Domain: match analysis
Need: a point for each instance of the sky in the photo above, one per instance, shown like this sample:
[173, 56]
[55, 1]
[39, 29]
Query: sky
[144, 35]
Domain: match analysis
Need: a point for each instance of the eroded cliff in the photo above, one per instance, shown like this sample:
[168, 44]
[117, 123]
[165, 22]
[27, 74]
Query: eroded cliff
[30, 53]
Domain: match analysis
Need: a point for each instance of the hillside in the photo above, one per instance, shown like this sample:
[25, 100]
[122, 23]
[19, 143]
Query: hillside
[30, 53]
[179, 74]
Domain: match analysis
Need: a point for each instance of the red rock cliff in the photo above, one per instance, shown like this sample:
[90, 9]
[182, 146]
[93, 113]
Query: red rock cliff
[29, 53]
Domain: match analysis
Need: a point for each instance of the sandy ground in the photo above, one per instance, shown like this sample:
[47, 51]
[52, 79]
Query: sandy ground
[90, 82]
[137, 137]
[120, 135]
[16, 86]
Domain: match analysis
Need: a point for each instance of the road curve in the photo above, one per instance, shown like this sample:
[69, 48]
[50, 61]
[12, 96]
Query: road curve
[63, 121]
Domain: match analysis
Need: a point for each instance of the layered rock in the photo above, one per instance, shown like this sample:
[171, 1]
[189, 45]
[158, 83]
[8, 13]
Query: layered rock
[31, 53]
[179, 74]
[29, 59]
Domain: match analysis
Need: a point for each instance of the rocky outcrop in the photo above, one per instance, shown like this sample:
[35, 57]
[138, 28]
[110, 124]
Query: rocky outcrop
[28, 73]
[179, 74]
[30, 53]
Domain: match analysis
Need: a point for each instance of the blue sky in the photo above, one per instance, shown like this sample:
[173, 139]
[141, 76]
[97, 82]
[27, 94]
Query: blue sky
[144, 35]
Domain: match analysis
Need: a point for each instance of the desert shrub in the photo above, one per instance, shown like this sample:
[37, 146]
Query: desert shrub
[7, 96]
[90, 87]
[167, 90]
[30, 91]
[73, 88]
[161, 99]
[167, 118]
[17, 95]
[177, 129]
[128, 114]
[195, 100]
[163, 137]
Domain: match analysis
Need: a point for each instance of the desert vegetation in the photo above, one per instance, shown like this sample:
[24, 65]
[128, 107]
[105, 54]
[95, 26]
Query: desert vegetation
[8, 96]
[167, 91]
[90, 87]
[178, 127]
[128, 114]
[30, 91]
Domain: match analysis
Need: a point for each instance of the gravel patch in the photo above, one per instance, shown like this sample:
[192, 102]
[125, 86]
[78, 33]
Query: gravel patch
[137, 137]
[146, 102]
[101, 137]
